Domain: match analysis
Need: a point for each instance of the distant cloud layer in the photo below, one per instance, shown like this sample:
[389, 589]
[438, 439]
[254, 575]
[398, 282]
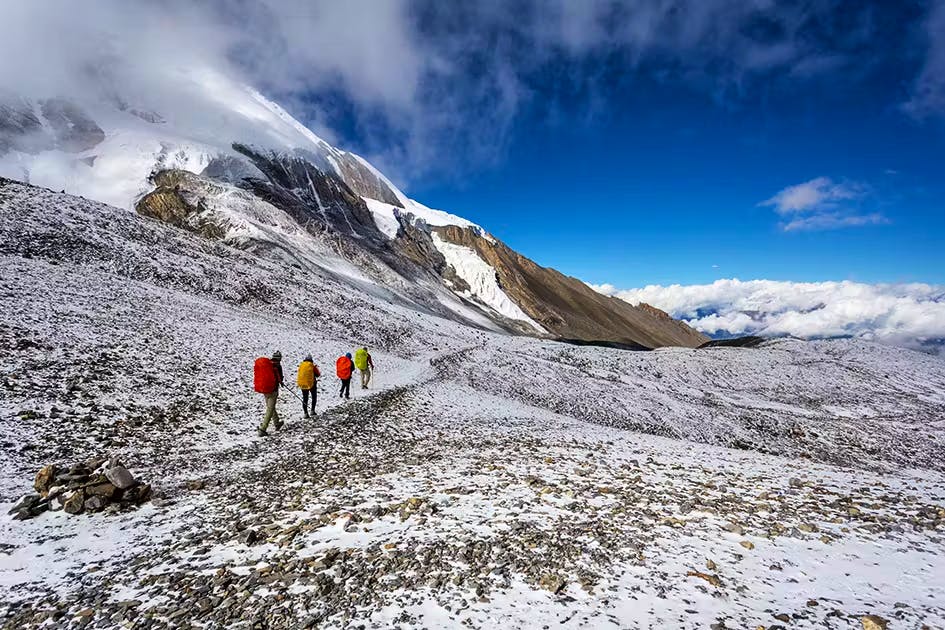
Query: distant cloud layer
[822, 204]
[902, 314]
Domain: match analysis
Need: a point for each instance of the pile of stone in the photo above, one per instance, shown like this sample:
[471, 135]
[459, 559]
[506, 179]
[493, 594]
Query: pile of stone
[94, 486]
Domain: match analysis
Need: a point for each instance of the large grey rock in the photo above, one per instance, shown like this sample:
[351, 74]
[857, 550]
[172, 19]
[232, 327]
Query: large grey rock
[25, 503]
[120, 477]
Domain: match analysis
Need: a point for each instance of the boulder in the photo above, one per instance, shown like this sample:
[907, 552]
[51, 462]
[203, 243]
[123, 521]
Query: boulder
[248, 537]
[873, 622]
[94, 504]
[552, 582]
[137, 494]
[44, 479]
[74, 502]
[106, 490]
[25, 503]
[120, 477]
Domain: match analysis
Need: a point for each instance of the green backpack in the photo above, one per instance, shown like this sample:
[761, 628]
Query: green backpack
[360, 359]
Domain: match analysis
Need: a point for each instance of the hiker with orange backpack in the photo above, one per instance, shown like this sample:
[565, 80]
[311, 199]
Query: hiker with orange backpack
[307, 382]
[267, 377]
[344, 367]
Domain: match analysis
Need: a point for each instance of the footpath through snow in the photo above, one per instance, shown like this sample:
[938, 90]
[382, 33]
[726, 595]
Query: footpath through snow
[490, 481]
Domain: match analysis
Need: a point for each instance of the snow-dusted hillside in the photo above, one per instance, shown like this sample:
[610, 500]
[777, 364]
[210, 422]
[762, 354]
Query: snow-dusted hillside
[487, 480]
[219, 158]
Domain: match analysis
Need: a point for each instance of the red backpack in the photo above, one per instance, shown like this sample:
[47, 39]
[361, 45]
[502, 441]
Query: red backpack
[343, 367]
[264, 376]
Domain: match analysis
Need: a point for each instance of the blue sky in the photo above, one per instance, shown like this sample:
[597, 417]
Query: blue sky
[633, 143]
[668, 185]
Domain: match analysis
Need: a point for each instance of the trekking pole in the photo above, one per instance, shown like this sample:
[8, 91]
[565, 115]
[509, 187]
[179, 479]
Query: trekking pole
[292, 391]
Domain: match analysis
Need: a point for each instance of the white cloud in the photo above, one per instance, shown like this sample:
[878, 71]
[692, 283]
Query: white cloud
[833, 220]
[822, 204]
[814, 195]
[901, 314]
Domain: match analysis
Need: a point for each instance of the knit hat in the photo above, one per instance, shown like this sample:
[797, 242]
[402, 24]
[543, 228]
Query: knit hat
[277, 355]
[348, 355]
[308, 357]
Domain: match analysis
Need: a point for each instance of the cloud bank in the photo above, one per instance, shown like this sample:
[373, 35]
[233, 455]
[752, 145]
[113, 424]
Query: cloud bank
[411, 81]
[911, 315]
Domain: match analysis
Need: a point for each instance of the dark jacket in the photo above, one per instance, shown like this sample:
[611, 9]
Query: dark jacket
[277, 366]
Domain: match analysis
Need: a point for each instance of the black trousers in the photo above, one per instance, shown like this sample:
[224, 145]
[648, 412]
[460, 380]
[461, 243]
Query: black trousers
[305, 393]
[345, 388]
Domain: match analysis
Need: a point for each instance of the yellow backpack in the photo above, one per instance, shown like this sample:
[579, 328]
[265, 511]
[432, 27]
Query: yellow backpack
[306, 377]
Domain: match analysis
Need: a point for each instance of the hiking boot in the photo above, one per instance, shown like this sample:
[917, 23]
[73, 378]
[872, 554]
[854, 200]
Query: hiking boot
[307, 416]
[262, 433]
[279, 426]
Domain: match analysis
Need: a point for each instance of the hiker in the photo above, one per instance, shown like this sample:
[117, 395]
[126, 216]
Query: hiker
[344, 366]
[267, 376]
[365, 364]
[306, 380]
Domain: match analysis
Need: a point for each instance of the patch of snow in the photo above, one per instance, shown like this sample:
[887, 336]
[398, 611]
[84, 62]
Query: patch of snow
[385, 216]
[441, 218]
[482, 280]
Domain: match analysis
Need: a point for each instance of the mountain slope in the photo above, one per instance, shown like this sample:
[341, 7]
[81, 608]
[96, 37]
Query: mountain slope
[568, 307]
[136, 158]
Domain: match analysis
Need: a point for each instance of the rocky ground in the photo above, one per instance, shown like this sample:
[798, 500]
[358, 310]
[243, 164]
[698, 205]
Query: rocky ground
[486, 481]
[419, 507]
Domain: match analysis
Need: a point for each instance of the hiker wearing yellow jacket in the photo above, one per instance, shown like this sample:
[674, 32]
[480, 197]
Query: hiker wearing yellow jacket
[365, 365]
[306, 380]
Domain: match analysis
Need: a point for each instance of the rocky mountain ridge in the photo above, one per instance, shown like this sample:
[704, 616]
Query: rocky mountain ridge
[346, 209]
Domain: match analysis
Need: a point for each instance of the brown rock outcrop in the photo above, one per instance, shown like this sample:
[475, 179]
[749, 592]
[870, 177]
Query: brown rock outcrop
[567, 307]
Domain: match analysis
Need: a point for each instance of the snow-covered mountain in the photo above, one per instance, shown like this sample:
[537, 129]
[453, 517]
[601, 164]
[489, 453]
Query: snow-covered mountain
[238, 168]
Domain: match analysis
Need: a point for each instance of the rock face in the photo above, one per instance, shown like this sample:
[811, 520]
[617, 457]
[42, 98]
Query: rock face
[74, 130]
[569, 308]
[168, 203]
[363, 181]
[310, 194]
[67, 127]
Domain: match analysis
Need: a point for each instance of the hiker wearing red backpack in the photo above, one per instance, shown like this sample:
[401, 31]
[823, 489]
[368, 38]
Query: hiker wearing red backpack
[344, 366]
[267, 377]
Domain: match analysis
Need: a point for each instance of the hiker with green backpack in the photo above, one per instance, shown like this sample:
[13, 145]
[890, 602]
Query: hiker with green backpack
[365, 365]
